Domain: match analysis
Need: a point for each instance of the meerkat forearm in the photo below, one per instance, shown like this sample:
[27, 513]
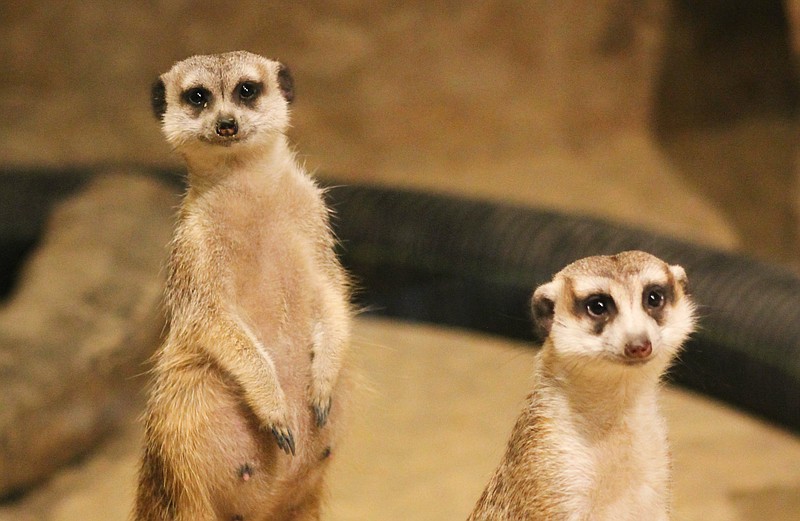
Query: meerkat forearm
[329, 342]
[238, 352]
[331, 327]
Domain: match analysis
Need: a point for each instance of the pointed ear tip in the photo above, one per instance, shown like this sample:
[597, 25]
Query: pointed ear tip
[678, 271]
[546, 290]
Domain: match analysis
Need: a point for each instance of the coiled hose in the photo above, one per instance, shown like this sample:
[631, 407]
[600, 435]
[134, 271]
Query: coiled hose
[474, 264]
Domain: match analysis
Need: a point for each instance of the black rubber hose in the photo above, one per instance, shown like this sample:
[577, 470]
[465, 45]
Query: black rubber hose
[474, 264]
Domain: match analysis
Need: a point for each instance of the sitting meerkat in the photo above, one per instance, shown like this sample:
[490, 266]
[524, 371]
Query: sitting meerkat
[591, 443]
[247, 394]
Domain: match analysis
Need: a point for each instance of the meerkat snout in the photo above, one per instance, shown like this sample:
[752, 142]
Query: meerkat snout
[227, 126]
[639, 350]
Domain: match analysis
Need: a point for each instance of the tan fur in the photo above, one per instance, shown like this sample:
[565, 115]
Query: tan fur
[590, 443]
[247, 397]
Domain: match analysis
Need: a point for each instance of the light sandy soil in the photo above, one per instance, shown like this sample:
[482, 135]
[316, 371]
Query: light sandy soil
[422, 446]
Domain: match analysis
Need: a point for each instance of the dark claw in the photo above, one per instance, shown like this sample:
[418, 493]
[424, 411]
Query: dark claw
[285, 440]
[321, 414]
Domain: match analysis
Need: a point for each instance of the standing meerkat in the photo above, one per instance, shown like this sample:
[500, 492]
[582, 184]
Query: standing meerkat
[590, 443]
[247, 393]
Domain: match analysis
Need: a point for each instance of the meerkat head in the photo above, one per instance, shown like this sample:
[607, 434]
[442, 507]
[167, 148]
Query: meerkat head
[223, 101]
[629, 309]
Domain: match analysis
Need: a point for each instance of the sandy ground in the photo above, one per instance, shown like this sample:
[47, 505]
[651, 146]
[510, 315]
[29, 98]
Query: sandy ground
[421, 447]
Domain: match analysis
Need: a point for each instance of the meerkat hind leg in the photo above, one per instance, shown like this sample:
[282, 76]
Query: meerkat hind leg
[219, 453]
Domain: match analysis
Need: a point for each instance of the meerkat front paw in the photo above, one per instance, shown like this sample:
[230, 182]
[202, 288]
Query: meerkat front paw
[284, 438]
[321, 405]
[278, 424]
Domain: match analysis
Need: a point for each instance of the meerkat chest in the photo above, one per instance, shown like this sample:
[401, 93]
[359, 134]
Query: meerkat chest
[274, 256]
[266, 250]
[629, 476]
[599, 464]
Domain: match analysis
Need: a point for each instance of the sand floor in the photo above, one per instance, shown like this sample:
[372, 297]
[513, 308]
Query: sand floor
[435, 408]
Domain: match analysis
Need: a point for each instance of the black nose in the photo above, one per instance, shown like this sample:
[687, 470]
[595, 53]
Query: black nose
[227, 127]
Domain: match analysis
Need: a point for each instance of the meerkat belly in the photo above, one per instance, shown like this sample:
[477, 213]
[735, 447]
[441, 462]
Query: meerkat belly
[256, 481]
[276, 286]
[275, 292]
[239, 467]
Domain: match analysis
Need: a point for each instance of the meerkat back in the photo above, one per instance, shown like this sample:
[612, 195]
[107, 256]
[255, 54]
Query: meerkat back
[248, 387]
[590, 443]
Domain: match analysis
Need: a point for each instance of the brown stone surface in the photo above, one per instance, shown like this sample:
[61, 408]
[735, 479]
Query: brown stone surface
[727, 99]
[518, 101]
[436, 408]
[76, 331]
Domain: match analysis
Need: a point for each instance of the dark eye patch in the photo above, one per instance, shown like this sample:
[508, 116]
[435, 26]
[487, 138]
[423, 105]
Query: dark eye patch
[599, 307]
[198, 97]
[248, 91]
[655, 297]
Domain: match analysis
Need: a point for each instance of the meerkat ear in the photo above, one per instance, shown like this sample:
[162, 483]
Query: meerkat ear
[543, 307]
[680, 277]
[286, 83]
[158, 98]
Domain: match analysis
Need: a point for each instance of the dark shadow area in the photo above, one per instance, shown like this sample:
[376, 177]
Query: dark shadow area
[25, 202]
[725, 114]
[15, 252]
[724, 61]
[474, 264]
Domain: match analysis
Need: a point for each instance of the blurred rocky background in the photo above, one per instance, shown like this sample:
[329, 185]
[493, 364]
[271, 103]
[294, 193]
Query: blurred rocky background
[672, 115]
[675, 116]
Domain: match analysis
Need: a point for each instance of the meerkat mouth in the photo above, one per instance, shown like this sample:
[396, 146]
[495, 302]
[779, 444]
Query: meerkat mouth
[628, 361]
[636, 362]
[223, 141]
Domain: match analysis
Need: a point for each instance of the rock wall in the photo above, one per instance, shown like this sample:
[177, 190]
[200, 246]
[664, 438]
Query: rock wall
[526, 102]
[76, 331]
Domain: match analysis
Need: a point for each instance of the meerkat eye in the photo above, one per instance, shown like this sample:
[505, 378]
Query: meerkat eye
[197, 96]
[599, 305]
[248, 90]
[654, 298]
